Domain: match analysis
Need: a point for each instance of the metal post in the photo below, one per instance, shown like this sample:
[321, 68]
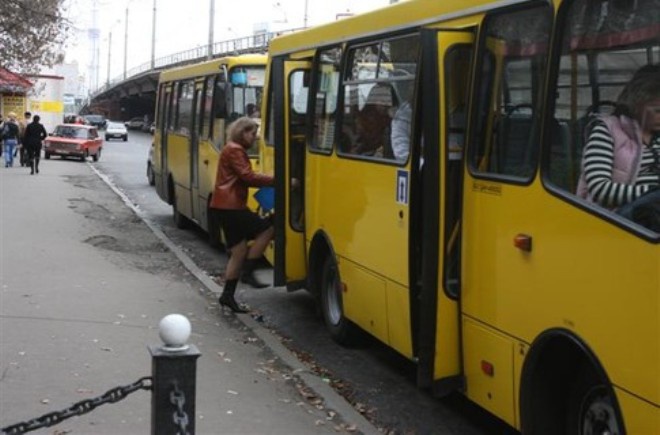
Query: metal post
[153, 38]
[107, 82]
[174, 372]
[305, 18]
[209, 53]
[125, 42]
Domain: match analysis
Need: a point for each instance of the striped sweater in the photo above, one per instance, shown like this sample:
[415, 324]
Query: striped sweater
[598, 163]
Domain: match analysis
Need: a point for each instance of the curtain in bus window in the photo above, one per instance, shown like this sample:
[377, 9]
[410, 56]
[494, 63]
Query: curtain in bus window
[378, 93]
[604, 43]
[514, 54]
[327, 83]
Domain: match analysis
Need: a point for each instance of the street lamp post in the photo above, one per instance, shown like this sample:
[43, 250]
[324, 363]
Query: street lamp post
[209, 54]
[107, 82]
[126, 43]
[153, 38]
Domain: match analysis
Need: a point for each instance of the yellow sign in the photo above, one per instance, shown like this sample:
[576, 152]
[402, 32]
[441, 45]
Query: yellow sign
[47, 106]
[13, 103]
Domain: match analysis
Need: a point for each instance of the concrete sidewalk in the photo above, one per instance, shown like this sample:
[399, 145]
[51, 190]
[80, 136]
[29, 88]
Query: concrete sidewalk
[83, 285]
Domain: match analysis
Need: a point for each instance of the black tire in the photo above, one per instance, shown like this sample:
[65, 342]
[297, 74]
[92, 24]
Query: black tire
[342, 330]
[97, 156]
[83, 157]
[125, 138]
[592, 407]
[150, 175]
[107, 138]
[180, 221]
[47, 156]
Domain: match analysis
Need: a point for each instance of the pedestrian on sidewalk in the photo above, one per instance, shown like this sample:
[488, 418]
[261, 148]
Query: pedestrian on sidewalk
[34, 134]
[229, 204]
[22, 125]
[10, 132]
[2, 124]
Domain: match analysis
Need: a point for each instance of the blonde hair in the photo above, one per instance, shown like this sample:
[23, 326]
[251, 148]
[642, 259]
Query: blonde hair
[237, 128]
[11, 115]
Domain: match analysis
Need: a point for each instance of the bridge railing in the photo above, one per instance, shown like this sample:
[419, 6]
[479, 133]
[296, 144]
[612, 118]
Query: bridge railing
[246, 44]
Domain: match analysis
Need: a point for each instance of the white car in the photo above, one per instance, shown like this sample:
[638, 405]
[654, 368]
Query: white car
[116, 130]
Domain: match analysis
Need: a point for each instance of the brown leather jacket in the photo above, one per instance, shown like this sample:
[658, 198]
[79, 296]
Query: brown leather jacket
[233, 178]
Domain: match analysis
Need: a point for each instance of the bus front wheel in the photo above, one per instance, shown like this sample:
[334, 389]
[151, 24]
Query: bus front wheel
[592, 408]
[341, 329]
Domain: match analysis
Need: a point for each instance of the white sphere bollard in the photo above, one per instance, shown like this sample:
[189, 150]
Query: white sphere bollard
[174, 330]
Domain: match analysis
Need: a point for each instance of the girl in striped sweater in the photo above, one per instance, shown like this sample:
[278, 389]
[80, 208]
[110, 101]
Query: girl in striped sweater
[622, 155]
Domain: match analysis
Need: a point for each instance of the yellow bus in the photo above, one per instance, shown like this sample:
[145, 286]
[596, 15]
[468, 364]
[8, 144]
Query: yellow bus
[426, 158]
[194, 106]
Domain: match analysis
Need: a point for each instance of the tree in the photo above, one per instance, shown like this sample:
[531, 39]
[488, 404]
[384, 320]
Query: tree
[32, 34]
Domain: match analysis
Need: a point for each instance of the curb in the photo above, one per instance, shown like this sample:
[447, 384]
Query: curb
[331, 398]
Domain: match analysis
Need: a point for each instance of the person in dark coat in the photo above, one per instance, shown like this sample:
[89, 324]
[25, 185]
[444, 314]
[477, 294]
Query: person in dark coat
[35, 133]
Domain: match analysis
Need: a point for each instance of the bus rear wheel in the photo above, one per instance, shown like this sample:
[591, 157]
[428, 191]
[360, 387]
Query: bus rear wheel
[342, 330]
[180, 221]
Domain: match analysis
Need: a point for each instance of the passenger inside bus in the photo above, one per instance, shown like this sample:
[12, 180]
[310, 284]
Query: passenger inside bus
[621, 163]
[401, 120]
[372, 123]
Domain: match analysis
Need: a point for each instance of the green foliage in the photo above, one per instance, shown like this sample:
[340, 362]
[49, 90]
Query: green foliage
[32, 34]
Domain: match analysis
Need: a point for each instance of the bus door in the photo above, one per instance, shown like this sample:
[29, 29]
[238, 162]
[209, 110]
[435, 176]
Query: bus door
[439, 237]
[288, 103]
[164, 113]
[197, 204]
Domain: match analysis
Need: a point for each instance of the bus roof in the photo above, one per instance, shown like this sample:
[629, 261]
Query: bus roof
[398, 16]
[212, 66]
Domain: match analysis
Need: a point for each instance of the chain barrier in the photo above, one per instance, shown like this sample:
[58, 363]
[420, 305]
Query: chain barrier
[83, 407]
[179, 416]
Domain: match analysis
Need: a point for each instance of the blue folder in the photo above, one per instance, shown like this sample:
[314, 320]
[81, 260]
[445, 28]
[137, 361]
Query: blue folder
[266, 198]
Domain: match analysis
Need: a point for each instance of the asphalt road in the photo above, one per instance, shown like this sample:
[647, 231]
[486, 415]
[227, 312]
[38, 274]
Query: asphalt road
[377, 381]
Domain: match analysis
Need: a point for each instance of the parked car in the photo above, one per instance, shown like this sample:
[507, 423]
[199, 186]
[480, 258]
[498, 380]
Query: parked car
[97, 121]
[116, 130]
[135, 123]
[74, 140]
[151, 176]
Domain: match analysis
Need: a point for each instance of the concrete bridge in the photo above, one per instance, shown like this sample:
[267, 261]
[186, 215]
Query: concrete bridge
[133, 94]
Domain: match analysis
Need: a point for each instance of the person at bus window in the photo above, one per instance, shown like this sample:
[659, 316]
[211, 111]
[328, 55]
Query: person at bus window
[229, 203]
[252, 111]
[372, 123]
[10, 133]
[401, 121]
[621, 160]
[35, 133]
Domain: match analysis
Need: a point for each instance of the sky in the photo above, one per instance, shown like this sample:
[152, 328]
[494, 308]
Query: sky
[182, 25]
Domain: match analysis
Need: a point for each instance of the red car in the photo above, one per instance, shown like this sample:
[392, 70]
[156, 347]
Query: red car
[74, 140]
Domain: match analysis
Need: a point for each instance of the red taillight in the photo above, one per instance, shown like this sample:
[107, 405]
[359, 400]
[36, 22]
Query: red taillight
[487, 368]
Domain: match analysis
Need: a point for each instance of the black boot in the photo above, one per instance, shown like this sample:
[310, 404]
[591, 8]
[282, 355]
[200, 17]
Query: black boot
[36, 165]
[248, 274]
[227, 297]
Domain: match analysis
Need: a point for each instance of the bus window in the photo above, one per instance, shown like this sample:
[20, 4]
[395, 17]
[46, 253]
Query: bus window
[185, 108]
[219, 112]
[327, 86]
[509, 93]
[174, 104]
[207, 119]
[592, 74]
[378, 90]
